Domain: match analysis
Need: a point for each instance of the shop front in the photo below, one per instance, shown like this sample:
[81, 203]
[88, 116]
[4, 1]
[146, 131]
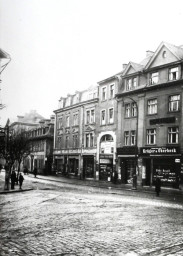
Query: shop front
[162, 162]
[106, 167]
[127, 163]
[73, 165]
[88, 166]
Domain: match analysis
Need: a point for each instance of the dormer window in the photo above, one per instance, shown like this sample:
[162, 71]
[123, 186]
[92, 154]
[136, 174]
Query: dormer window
[131, 84]
[154, 78]
[173, 74]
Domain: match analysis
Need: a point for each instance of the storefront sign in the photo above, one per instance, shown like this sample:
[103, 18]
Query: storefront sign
[105, 161]
[159, 151]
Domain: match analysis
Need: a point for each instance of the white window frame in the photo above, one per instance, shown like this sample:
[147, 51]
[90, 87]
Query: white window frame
[89, 139]
[131, 83]
[151, 136]
[152, 106]
[102, 95]
[127, 110]
[67, 121]
[173, 135]
[127, 138]
[90, 119]
[75, 119]
[154, 78]
[103, 122]
[133, 138]
[133, 109]
[111, 120]
[66, 141]
[173, 73]
[75, 140]
[174, 104]
[112, 91]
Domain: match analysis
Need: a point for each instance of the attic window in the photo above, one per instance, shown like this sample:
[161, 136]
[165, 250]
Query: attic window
[164, 54]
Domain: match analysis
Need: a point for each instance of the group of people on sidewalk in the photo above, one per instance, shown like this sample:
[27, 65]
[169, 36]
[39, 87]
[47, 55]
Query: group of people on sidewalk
[13, 177]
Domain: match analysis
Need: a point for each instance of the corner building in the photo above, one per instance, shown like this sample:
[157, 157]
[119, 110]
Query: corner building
[150, 118]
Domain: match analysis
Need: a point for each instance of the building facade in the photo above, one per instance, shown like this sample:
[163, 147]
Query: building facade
[75, 141]
[150, 118]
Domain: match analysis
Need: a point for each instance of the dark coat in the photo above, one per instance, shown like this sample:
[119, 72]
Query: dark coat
[158, 185]
[21, 178]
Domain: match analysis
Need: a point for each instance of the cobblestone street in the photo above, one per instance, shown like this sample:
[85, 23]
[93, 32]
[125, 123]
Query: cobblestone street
[64, 220]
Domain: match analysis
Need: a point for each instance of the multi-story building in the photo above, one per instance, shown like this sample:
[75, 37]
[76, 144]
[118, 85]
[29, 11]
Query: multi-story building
[106, 127]
[150, 118]
[75, 141]
[40, 132]
[41, 147]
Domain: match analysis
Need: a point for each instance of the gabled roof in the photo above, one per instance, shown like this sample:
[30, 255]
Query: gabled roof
[137, 67]
[4, 55]
[177, 51]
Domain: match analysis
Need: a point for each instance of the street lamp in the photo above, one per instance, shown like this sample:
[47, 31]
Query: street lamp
[134, 184]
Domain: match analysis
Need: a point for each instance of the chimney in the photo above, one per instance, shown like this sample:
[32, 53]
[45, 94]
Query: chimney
[124, 66]
[149, 53]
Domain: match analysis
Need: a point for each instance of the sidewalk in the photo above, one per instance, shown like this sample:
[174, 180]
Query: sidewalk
[108, 185]
[27, 186]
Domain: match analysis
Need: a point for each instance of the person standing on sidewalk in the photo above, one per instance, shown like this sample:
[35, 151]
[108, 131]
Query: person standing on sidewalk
[157, 186]
[7, 177]
[35, 172]
[13, 179]
[21, 179]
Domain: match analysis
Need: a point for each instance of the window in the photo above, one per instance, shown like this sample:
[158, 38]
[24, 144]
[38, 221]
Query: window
[104, 96]
[75, 119]
[112, 91]
[111, 115]
[127, 138]
[59, 142]
[127, 110]
[152, 106]
[102, 117]
[151, 136]
[173, 135]
[134, 109]
[89, 140]
[164, 54]
[131, 84]
[133, 138]
[59, 122]
[90, 116]
[173, 74]
[154, 78]
[174, 103]
[67, 141]
[75, 141]
[67, 121]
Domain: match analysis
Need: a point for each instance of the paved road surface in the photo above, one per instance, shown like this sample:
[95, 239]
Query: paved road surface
[61, 219]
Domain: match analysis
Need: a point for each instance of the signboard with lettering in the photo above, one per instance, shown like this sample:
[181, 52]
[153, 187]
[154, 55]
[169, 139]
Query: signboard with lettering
[160, 151]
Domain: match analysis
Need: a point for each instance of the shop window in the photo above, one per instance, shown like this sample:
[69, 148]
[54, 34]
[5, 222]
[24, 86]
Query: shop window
[154, 78]
[104, 95]
[152, 106]
[111, 115]
[112, 91]
[127, 138]
[173, 74]
[173, 135]
[133, 138]
[174, 103]
[103, 117]
[151, 136]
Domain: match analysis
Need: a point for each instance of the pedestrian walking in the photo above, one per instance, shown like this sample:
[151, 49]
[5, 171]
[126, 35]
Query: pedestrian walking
[7, 177]
[21, 179]
[157, 186]
[35, 172]
[13, 179]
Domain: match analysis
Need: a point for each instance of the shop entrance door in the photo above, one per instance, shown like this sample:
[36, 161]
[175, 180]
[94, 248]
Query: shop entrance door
[148, 172]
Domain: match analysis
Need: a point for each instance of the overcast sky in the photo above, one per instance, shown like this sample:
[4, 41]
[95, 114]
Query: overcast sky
[60, 46]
